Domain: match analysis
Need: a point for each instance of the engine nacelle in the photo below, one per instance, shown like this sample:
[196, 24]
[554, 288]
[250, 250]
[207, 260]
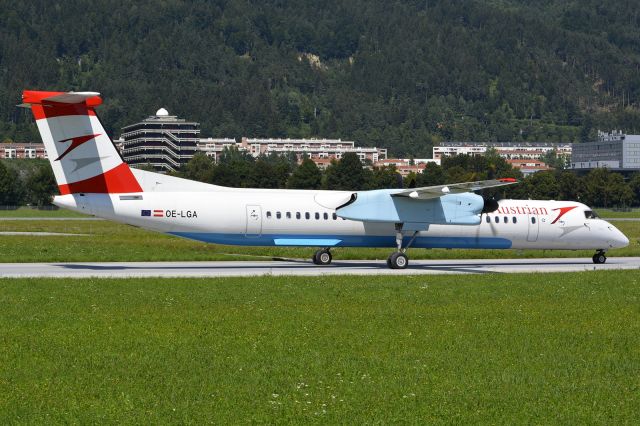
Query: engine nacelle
[380, 206]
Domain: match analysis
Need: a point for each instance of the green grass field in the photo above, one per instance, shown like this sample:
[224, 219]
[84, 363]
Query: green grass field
[29, 212]
[500, 349]
[108, 241]
[608, 213]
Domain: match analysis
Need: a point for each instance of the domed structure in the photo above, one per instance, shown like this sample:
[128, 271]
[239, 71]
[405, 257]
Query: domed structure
[162, 112]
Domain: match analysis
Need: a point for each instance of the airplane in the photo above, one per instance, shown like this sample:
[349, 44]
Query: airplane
[93, 178]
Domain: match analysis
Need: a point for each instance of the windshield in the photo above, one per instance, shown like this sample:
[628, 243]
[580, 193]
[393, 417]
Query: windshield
[590, 214]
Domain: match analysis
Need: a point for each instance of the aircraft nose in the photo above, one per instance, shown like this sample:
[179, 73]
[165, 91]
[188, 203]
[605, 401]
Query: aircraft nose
[619, 240]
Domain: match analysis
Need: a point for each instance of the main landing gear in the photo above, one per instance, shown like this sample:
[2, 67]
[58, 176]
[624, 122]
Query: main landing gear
[398, 259]
[599, 257]
[322, 257]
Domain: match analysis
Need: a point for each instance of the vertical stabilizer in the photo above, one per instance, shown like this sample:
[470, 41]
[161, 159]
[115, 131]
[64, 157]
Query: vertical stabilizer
[83, 157]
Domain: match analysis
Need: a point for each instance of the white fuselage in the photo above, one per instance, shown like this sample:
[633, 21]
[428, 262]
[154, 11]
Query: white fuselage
[265, 217]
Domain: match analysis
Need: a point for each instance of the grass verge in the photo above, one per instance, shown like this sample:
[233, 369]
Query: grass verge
[550, 348]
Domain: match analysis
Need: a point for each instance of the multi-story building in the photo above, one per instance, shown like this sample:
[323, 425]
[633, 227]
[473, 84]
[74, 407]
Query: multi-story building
[406, 166]
[321, 151]
[163, 141]
[528, 166]
[507, 150]
[312, 148]
[213, 147]
[22, 150]
[615, 151]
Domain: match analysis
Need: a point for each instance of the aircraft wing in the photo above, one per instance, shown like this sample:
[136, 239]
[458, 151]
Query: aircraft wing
[430, 192]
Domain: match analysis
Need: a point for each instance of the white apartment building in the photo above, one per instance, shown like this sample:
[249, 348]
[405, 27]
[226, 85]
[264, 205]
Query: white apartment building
[316, 149]
[507, 150]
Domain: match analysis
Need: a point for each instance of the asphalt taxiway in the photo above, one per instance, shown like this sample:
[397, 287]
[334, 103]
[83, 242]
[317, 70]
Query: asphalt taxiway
[306, 268]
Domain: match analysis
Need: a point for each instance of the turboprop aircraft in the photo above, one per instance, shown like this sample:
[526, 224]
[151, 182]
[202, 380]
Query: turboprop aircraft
[93, 179]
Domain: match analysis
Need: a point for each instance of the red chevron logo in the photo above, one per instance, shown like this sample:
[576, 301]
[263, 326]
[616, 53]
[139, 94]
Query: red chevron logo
[75, 142]
[563, 211]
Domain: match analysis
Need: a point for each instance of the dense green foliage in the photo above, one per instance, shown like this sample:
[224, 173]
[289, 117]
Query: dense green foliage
[26, 182]
[401, 74]
[32, 182]
[498, 349]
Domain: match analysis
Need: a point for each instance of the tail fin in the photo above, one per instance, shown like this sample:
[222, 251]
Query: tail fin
[83, 157]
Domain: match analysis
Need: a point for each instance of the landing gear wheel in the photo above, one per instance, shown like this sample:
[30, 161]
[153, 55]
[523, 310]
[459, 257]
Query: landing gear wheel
[398, 260]
[322, 257]
[599, 258]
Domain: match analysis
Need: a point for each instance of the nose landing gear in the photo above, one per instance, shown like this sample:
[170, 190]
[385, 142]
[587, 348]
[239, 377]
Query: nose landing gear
[599, 257]
[322, 257]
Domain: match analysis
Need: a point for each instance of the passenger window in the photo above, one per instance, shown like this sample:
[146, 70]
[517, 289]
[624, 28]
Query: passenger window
[307, 215]
[325, 215]
[506, 219]
[268, 215]
[514, 219]
[533, 220]
[278, 215]
[497, 220]
[488, 219]
[288, 215]
[335, 216]
[297, 215]
[317, 215]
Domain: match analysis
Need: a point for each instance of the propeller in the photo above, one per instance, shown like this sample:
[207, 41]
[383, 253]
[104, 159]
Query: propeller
[490, 205]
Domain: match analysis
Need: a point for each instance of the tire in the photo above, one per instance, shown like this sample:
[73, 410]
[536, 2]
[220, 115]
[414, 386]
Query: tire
[398, 260]
[599, 258]
[324, 257]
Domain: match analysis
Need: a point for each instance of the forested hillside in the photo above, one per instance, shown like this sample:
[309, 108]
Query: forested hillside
[402, 74]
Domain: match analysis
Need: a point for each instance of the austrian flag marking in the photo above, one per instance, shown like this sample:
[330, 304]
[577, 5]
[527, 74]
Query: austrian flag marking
[158, 213]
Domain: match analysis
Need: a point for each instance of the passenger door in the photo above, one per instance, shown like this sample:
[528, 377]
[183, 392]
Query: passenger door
[534, 228]
[254, 221]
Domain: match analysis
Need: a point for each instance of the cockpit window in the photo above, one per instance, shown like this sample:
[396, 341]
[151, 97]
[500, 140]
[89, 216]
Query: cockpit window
[590, 214]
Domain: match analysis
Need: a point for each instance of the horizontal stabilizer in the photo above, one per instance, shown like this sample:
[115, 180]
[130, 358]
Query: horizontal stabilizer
[30, 97]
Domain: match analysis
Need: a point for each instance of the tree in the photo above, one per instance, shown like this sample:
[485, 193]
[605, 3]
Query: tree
[384, 177]
[433, 174]
[306, 176]
[199, 168]
[10, 186]
[346, 174]
[235, 168]
[41, 186]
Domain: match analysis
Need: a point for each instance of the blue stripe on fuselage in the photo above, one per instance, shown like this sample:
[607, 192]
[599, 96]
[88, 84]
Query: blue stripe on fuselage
[345, 240]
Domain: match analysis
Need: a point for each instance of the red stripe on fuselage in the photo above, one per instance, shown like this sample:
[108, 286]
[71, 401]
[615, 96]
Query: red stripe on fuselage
[120, 179]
